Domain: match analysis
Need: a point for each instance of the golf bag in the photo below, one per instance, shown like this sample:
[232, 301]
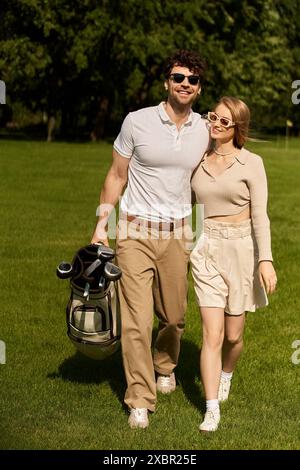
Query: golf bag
[93, 311]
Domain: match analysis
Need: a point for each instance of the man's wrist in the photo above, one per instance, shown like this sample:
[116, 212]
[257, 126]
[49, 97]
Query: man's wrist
[101, 230]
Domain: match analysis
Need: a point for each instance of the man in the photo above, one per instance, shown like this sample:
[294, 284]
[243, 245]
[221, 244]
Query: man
[155, 154]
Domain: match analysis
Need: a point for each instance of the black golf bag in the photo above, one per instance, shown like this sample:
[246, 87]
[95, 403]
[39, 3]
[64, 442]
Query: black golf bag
[93, 311]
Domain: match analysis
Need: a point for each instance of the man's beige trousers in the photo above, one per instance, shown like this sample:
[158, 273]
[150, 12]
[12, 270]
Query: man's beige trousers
[154, 279]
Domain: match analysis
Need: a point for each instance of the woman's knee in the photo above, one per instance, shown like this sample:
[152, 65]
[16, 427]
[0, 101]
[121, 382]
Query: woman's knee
[233, 338]
[213, 339]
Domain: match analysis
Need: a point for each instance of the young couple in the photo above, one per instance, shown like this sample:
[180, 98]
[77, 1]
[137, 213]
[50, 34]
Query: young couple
[160, 153]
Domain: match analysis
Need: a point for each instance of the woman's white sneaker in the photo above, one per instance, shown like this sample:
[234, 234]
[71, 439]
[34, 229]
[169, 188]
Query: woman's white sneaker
[224, 389]
[138, 418]
[211, 421]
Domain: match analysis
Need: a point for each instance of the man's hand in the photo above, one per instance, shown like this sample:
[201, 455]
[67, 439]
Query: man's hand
[100, 235]
[104, 241]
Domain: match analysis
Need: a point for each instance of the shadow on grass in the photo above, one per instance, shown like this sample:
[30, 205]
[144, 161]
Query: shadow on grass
[81, 369]
[187, 373]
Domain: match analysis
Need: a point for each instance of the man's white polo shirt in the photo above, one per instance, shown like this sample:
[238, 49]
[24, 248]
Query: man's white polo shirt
[162, 161]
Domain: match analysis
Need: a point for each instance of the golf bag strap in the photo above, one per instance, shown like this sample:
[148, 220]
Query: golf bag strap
[111, 320]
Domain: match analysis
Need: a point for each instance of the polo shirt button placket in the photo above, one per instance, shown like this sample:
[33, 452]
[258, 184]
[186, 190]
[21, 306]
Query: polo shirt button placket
[177, 142]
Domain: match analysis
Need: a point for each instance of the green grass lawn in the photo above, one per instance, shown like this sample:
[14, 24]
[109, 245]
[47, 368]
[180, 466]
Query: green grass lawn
[53, 398]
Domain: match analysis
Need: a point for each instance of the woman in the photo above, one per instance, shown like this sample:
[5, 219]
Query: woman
[232, 266]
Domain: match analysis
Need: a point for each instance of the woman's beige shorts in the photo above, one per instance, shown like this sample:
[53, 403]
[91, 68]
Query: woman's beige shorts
[225, 268]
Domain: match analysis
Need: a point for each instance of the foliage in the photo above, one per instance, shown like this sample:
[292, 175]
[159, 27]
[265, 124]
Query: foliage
[67, 57]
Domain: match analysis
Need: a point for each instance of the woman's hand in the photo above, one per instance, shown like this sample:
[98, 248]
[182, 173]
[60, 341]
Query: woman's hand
[267, 276]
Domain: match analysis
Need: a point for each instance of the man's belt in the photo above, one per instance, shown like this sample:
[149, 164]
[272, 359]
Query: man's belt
[160, 226]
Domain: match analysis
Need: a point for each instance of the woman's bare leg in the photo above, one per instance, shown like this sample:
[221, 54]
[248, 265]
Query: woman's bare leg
[210, 360]
[233, 341]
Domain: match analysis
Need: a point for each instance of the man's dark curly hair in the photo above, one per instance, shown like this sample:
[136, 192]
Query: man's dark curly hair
[188, 59]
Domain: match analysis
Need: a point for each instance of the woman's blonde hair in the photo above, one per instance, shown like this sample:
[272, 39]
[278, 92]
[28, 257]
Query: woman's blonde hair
[240, 116]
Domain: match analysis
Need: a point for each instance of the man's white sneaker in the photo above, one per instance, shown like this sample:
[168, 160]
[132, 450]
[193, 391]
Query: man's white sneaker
[138, 418]
[224, 389]
[210, 422]
[166, 383]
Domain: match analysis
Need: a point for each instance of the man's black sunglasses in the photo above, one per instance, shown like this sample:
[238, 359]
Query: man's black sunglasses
[179, 77]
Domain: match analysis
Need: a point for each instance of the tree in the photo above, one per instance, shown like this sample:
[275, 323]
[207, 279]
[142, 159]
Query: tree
[89, 62]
